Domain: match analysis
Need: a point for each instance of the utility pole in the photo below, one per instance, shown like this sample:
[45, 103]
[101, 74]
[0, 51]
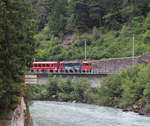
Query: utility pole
[133, 49]
[85, 52]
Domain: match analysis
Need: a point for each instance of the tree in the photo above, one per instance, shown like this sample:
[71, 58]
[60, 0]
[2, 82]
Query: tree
[16, 48]
[40, 8]
[114, 18]
[143, 6]
[96, 12]
[57, 16]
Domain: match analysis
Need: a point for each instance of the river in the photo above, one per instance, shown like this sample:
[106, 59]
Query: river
[47, 113]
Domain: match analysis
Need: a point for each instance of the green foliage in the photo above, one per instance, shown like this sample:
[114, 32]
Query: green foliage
[57, 19]
[51, 50]
[81, 15]
[77, 89]
[146, 37]
[127, 88]
[40, 8]
[16, 49]
[36, 92]
[43, 35]
[106, 25]
[100, 44]
[110, 91]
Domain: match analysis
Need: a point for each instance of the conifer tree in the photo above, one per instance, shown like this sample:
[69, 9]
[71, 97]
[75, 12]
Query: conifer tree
[16, 48]
[57, 16]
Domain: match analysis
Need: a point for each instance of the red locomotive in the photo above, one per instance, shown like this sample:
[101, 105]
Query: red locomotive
[72, 66]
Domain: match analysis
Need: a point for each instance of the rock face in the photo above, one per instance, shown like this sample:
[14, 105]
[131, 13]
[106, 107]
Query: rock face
[67, 40]
[20, 116]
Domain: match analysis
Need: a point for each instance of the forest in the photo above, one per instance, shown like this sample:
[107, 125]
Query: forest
[48, 30]
[106, 25]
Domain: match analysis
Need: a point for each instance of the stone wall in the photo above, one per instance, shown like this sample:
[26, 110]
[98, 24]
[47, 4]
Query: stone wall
[118, 64]
[144, 58]
[113, 65]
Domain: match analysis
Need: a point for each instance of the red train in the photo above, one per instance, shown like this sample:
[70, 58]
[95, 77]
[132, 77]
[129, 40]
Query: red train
[61, 66]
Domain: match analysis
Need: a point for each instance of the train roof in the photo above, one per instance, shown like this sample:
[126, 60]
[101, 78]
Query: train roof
[47, 62]
[44, 62]
[74, 61]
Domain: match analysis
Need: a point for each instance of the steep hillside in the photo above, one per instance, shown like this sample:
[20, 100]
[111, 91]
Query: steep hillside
[107, 28]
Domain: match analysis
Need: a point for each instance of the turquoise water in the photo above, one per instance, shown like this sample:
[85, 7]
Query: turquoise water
[47, 113]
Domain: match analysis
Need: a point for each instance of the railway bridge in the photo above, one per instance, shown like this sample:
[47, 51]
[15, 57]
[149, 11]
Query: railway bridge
[101, 68]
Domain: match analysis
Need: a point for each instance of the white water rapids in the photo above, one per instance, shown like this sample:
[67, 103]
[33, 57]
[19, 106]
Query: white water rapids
[47, 113]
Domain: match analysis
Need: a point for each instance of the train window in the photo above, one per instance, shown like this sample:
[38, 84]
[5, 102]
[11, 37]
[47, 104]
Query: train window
[47, 65]
[43, 65]
[39, 65]
[34, 65]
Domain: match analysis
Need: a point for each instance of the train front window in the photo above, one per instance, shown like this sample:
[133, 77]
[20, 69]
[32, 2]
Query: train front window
[68, 65]
[76, 64]
[72, 65]
[86, 64]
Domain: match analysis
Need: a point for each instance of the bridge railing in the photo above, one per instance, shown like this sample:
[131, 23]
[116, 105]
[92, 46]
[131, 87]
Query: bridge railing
[93, 72]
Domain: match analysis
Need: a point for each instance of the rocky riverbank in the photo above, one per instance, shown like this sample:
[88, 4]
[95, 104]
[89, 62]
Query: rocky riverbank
[139, 108]
[19, 117]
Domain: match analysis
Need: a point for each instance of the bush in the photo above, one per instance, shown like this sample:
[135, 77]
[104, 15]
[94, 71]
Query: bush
[69, 89]
[127, 88]
[110, 91]
[37, 92]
